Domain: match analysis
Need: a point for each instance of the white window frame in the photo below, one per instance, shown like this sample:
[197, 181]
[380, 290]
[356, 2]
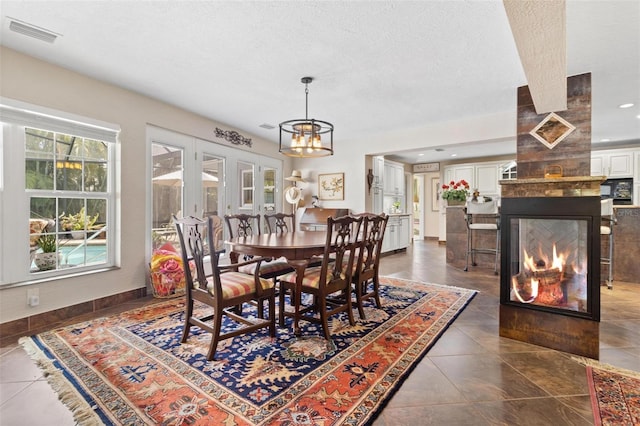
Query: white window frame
[247, 189]
[15, 116]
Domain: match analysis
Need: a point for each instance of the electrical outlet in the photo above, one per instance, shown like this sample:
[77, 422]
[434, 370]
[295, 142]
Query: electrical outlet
[33, 297]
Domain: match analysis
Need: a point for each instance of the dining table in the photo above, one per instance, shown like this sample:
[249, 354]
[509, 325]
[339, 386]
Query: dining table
[298, 247]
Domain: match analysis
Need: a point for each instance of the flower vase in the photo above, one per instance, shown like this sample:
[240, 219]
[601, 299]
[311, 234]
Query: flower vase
[456, 202]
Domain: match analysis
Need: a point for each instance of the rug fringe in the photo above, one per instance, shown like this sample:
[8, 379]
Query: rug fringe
[608, 367]
[82, 412]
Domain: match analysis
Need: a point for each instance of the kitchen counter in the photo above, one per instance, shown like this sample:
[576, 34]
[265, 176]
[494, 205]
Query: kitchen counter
[457, 241]
[397, 235]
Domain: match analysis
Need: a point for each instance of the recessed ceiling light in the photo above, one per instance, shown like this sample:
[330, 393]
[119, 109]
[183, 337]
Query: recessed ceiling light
[625, 106]
[420, 155]
[605, 140]
[454, 155]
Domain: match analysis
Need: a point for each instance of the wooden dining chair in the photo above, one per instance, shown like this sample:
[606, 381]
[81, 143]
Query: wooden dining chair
[224, 289]
[244, 225]
[280, 222]
[333, 276]
[217, 232]
[365, 279]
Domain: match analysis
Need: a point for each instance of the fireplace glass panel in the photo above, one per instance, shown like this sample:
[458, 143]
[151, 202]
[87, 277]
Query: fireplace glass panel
[549, 262]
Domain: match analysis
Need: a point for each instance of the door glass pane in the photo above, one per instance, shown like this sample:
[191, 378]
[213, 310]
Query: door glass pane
[245, 171]
[167, 192]
[212, 185]
[269, 189]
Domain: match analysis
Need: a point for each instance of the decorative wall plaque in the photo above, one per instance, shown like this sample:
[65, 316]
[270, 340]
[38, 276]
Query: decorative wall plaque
[426, 167]
[233, 137]
[552, 130]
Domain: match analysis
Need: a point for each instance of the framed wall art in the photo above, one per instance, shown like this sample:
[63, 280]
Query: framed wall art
[331, 186]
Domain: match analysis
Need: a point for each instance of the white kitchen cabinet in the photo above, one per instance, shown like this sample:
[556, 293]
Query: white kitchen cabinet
[378, 170]
[612, 164]
[486, 179]
[404, 234]
[393, 179]
[377, 194]
[459, 172]
[377, 199]
[397, 235]
[482, 176]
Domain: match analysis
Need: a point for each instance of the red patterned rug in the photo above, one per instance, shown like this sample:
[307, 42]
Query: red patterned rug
[615, 395]
[131, 369]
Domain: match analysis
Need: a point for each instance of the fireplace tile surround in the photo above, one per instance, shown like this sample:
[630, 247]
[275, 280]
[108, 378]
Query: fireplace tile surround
[541, 325]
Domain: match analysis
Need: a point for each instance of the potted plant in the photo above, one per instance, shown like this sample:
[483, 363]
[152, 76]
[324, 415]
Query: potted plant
[47, 258]
[77, 223]
[455, 192]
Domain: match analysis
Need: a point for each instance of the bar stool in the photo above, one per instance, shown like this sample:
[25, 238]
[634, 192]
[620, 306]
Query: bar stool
[608, 219]
[473, 212]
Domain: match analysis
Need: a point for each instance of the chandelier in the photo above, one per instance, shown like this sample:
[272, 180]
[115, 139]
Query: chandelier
[306, 135]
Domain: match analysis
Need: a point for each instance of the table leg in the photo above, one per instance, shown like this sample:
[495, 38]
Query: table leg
[300, 266]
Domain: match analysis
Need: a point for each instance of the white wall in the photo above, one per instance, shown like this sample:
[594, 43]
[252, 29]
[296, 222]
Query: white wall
[29, 80]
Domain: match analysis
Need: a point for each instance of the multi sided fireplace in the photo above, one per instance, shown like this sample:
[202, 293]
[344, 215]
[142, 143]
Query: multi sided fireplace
[550, 263]
[551, 255]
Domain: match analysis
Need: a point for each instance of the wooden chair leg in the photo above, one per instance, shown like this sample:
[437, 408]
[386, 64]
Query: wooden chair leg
[376, 290]
[260, 308]
[272, 317]
[360, 300]
[217, 327]
[188, 312]
[322, 310]
[281, 296]
[352, 320]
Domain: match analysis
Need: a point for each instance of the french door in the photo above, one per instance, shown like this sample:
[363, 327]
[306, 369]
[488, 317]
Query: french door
[191, 176]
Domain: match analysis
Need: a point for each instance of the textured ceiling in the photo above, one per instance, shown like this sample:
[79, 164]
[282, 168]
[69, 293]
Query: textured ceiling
[378, 66]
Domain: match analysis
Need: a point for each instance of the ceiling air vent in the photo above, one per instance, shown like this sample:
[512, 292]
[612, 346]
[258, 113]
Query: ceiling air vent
[32, 31]
[267, 126]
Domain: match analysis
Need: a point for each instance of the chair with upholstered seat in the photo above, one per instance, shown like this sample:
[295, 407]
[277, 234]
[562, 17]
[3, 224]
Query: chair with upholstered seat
[280, 223]
[333, 276]
[608, 219]
[224, 289]
[244, 225]
[482, 217]
[365, 278]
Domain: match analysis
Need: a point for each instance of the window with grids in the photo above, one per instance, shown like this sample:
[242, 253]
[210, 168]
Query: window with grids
[66, 180]
[56, 193]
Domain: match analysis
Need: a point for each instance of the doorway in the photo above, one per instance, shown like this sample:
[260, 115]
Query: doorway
[191, 176]
[418, 206]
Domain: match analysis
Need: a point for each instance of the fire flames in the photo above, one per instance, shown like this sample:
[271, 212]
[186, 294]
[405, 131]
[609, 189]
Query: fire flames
[547, 282]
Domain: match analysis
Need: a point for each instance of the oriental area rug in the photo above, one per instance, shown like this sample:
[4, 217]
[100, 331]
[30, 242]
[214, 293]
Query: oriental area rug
[130, 369]
[615, 394]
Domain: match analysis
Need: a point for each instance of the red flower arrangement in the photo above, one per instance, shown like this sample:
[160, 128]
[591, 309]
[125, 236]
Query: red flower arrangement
[456, 190]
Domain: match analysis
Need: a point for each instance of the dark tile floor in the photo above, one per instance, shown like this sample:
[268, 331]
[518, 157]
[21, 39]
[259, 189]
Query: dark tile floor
[470, 377]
